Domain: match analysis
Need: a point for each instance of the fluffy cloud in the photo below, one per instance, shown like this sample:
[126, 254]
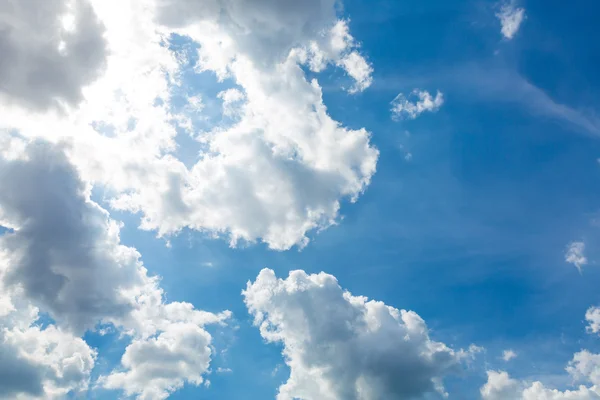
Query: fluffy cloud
[276, 174]
[101, 77]
[43, 363]
[64, 256]
[418, 102]
[155, 367]
[38, 363]
[251, 180]
[584, 366]
[510, 17]
[338, 47]
[592, 316]
[340, 346]
[266, 30]
[64, 253]
[499, 386]
[575, 256]
[50, 49]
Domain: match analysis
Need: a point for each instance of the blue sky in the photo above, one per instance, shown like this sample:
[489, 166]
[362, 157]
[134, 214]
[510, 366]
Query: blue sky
[466, 221]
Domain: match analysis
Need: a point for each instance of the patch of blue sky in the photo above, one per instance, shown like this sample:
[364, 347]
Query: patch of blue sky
[195, 97]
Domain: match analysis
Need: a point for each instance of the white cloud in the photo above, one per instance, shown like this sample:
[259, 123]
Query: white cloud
[340, 346]
[252, 183]
[499, 386]
[156, 367]
[45, 63]
[592, 316]
[224, 370]
[510, 17]
[64, 256]
[123, 130]
[575, 256]
[404, 107]
[43, 363]
[338, 46]
[584, 366]
[277, 173]
[231, 101]
[508, 355]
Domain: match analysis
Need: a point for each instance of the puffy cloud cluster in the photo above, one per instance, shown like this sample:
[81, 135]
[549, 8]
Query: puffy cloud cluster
[157, 366]
[95, 80]
[403, 107]
[340, 346]
[251, 181]
[64, 253]
[63, 256]
[42, 363]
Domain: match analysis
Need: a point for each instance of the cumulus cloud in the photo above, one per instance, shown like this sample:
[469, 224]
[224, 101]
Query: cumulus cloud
[50, 49]
[510, 17]
[43, 363]
[499, 386]
[252, 183]
[592, 316]
[277, 171]
[575, 256]
[155, 367]
[340, 346]
[64, 256]
[266, 31]
[65, 253]
[251, 180]
[584, 366]
[418, 102]
[35, 362]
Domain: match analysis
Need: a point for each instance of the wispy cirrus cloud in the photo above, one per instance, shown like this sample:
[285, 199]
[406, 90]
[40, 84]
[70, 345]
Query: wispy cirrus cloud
[496, 84]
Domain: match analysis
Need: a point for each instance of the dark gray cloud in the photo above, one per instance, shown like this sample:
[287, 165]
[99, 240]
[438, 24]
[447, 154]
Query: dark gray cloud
[65, 251]
[16, 374]
[50, 50]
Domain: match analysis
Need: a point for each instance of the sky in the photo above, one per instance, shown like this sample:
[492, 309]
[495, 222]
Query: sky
[317, 200]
